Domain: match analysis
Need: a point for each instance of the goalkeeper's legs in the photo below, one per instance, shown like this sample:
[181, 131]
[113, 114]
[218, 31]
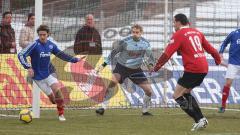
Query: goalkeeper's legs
[147, 97]
[110, 92]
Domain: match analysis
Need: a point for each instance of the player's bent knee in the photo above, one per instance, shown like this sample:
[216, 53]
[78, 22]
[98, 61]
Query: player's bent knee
[148, 93]
[58, 94]
[113, 84]
[175, 96]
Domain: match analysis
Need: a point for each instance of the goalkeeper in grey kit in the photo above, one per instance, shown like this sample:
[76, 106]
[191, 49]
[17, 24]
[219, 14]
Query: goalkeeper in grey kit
[131, 52]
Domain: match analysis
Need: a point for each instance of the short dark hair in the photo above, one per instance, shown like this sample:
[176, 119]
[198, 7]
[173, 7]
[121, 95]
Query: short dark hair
[43, 28]
[5, 13]
[30, 15]
[182, 19]
[137, 26]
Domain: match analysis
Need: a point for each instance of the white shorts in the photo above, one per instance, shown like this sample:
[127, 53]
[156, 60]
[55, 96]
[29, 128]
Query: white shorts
[45, 84]
[232, 71]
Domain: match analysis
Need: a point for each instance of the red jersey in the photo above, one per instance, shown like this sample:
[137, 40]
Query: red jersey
[191, 44]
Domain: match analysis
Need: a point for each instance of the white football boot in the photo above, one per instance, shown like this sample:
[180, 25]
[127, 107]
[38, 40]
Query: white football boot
[61, 118]
[202, 123]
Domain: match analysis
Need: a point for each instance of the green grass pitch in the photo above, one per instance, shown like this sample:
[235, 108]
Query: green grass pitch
[123, 122]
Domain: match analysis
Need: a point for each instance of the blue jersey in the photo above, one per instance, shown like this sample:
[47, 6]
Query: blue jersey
[234, 51]
[40, 57]
[131, 52]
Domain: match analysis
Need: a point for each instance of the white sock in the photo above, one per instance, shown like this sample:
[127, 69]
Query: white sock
[146, 103]
[107, 97]
[105, 104]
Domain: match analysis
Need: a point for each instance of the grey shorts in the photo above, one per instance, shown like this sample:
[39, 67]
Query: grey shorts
[126, 72]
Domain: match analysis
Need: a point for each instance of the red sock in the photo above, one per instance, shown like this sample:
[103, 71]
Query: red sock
[60, 106]
[225, 94]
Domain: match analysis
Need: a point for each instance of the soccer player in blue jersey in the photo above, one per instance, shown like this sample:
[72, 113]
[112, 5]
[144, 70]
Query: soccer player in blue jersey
[233, 67]
[39, 69]
[131, 52]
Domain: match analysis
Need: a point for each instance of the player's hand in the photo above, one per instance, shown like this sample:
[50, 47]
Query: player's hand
[75, 60]
[223, 64]
[221, 56]
[81, 58]
[222, 61]
[30, 72]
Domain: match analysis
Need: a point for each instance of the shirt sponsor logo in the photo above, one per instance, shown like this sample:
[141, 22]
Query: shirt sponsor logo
[42, 54]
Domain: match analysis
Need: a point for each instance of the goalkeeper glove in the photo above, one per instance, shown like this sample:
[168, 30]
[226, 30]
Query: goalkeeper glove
[101, 67]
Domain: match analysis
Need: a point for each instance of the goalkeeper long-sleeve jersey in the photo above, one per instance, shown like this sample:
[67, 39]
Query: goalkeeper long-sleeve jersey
[40, 57]
[234, 51]
[131, 53]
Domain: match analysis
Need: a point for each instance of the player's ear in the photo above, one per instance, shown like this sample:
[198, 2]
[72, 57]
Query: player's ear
[48, 34]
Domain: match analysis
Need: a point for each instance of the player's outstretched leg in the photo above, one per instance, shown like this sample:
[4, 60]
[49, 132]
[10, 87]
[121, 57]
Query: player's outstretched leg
[109, 94]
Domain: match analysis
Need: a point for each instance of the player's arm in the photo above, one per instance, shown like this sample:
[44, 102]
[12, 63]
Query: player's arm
[223, 46]
[171, 48]
[116, 49]
[60, 54]
[22, 56]
[225, 43]
[211, 50]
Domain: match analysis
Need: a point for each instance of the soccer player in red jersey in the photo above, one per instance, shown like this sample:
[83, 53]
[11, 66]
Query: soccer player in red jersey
[191, 43]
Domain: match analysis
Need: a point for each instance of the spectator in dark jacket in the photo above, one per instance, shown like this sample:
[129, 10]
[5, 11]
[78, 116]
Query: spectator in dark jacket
[88, 39]
[7, 34]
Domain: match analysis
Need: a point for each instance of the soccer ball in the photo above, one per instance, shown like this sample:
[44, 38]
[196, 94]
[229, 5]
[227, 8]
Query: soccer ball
[25, 115]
